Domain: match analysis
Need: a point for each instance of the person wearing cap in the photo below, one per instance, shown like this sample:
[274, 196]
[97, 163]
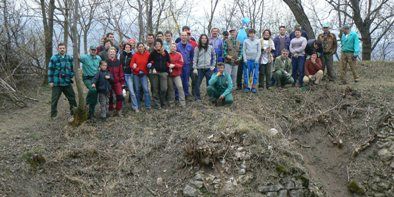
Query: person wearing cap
[313, 70]
[297, 49]
[350, 47]
[217, 44]
[303, 32]
[329, 41]
[90, 67]
[281, 41]
[225, 36]
[251, 55]
[282, 70]
[232, 53]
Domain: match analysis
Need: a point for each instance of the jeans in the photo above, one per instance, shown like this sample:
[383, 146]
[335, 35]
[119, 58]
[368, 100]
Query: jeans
[142, 81]
[103, 99]
[205, 72]
[129, 83]
[298, 69]
[232, 69]
[251, 68]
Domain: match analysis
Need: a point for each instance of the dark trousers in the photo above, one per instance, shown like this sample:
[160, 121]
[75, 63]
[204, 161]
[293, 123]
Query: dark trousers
[91, 97]
[206, 72]
[298, 69]
[57, 91]
[265, 74]
[239, 74]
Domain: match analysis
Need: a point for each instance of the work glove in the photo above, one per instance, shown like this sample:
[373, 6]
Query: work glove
[354, 57]
[195, 71]
[149, 65]
[212, 68]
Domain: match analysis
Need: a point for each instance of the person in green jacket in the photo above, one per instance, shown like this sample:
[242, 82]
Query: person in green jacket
[350, 50]
[282, 69]
[220, 86]
[90, 67]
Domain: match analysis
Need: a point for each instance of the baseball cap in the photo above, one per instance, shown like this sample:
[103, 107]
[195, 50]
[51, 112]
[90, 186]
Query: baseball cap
[92, 47]
[326, 25]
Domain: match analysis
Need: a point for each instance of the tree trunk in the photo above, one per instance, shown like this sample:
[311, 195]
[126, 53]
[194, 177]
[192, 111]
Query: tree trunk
[149, 15]
[299, 13]
[66, 18]
[85, 41]
[140, 22]
[47, 19]
[366, 45]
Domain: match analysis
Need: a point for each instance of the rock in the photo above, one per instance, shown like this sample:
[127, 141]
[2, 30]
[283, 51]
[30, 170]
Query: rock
[159, 181]
[385, 154]
[273, 132]
[290, 185]
[272, 194]
[245, 179]
[379, 195]
[295, 193]
[190, 191]
[197, 184]
[229, 186]
[283, 193]
[198, 177]
[242, 171]
[270, 188]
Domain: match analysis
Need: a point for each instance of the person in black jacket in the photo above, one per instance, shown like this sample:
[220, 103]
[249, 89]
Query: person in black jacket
[125, 58]
[102, 82]
[314, 46]
[159, 60]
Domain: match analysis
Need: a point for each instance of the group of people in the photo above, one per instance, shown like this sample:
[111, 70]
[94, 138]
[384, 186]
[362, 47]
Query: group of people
[238, 60]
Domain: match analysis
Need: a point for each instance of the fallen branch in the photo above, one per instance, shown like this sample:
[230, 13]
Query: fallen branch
[364, 145]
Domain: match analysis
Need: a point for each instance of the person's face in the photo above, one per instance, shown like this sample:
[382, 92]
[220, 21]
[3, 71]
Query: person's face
[141, 48]
[266, 34]
[233, 34]
[173, 47]
[168, 37]
[215, 32]
[326, 29]
[132, 45]
[314, 56]
[62, 49]
[158, 46]
[298, 34]
[346, 31]
[150, 39]
[184, 37]
[282, 31]
[107, 45]
[225, 37]
[103, 66]
[204, 40]
[111, 37]
[285, 54]
[93, 51]
[159, 36]
[251, 35]
[221, 69]
[112, 53]
[127, 48]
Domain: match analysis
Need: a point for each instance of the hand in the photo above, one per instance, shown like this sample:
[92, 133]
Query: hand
[229, 57]
[149, 65]
[172, 66]
[310, 76]
[154, 71]
[221, 97]
[355, 57]
[313, 61]
[195, 71]
[212, 68]
[93, 85]
[256, 61]
[219, 74]
[107, 77]
[134, 66]
[51, 85]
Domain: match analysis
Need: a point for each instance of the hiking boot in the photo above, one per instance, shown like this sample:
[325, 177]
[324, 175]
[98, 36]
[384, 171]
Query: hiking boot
[246, 90]
[254, 90]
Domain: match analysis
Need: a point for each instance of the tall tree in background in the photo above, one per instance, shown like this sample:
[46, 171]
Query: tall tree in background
[371, 17]
[47, 12]
[214, 4]
[299, 14]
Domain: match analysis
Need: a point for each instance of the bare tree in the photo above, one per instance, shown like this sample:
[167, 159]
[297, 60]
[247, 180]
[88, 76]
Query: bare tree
[252, 9]
[371, 17]
[47, 11]
[214, 4]
[87, 17]
[300, 15]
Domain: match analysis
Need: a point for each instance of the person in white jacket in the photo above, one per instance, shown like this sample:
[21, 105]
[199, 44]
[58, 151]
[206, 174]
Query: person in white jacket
[251, 54]
[267, 47]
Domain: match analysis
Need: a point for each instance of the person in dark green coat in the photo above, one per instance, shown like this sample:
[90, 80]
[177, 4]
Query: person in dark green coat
[282, 69]
[220, 87]
[90, 67]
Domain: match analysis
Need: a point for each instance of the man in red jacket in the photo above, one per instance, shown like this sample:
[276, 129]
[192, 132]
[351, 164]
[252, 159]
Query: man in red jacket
[313, 70]
[116, 69]
[175, 70]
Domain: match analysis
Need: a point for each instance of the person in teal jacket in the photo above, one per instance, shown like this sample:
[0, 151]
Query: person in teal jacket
[220, 87]
[350, 50]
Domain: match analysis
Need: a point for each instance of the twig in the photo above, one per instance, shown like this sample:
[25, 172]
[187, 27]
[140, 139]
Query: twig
[364, 145]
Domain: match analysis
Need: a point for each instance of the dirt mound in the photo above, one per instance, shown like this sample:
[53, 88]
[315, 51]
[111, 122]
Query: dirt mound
[326, 140]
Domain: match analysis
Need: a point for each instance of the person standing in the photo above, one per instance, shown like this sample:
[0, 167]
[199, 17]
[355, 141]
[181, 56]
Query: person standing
[150, 42]
[251, 55]
[116, 69]
[102, 83]
[350, 47]
[104, 53]
[220, 87]
[187, 51]
[159, 60]
[108, 36]
[330, 46]
[232, 53]
[282, 41]
[125, 58]
[267, 47]
[217, 44]
[282, 69]
[313, 46]
[175, 70]
[139, 67]
[303, 32]
[203, 63]
[168, 41]
[90, 67]
[297, 49]
[60, 74]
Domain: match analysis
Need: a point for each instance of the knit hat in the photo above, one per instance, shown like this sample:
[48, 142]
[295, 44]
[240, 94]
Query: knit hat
[346, 26]
[92, 47]
[326, 25]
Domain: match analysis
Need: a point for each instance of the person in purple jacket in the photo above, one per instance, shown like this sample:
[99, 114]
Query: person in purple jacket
[217, 44]
[187, 51]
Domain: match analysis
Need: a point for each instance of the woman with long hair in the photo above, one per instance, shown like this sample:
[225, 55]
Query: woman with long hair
[138, 65]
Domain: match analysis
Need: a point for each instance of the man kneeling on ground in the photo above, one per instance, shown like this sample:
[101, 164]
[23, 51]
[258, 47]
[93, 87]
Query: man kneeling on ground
[313, 70]
[220, 87]
[282, 69]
